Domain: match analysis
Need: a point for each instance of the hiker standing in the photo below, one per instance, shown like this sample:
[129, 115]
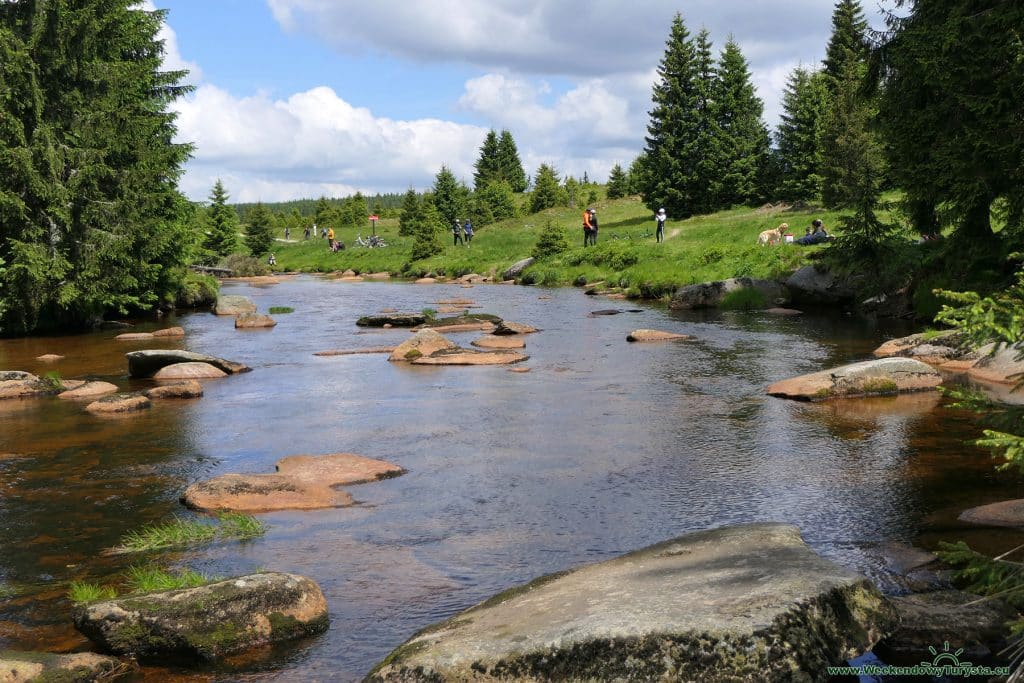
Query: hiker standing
[467, 229]
[593, 227]
[661, 217]
[587, 227]
[456, 231]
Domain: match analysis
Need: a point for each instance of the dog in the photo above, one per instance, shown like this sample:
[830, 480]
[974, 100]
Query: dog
[772, 236]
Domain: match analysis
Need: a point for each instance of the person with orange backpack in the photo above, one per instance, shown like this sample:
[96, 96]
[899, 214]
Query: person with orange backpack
[588, 229]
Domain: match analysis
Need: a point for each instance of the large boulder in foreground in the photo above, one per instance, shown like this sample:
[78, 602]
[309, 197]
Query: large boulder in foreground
[261, 493]
[809, 285]
[148, 362]
[712, 294]
[231, 304]
[208, 622]
[882, 376]
[743, 603]
[26, 667]
[517, 268]
[946, 616]
[423, 343]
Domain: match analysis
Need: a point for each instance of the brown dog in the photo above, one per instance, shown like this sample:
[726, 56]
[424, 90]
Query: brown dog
[772, 236]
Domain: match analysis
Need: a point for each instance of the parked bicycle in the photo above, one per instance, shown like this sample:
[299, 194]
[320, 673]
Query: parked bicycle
[371, 241]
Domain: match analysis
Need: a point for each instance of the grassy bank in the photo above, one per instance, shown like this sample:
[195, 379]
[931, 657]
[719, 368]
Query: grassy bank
[698, 249]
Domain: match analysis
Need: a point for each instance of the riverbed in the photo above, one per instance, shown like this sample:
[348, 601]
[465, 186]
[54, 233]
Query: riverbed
[601, 448]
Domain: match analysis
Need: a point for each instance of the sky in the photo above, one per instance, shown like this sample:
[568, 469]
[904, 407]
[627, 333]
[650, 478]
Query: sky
[303, 98]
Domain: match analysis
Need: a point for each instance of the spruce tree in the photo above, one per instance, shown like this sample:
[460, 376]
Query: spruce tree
[488, 166]
[429, 227]
[672, 147]
[408, 217]
[799, 136]
[848, 41]
[90, 217]
[222, 224]
[259, 235]
[450, 196]
[547, 192]
[742, 136]
[708, 152]
[511, 166]
[499, 199]
[952, 82]
[618, 183]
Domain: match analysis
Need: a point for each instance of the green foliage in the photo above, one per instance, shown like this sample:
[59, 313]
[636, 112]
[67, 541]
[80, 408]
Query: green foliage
[984, 575]
[427, 241]
[618, 183]
[488, 165]
[259, 236]
[90, 217]
[616, 255]
[197, 290]
[495, 199]
[511, 166]
[409, 215]
[799, 133]
[450, 196]
[52, 380]
[429, 313]
[186, 533]
[241, 265]
[83, 593]
[546, 190]
[848, 44]
[280, 310]
[743, 299]
[551, 242]
[150, 579]
[222, 224]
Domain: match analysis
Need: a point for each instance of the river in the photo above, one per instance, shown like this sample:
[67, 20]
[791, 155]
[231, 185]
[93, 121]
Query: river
[603, 447]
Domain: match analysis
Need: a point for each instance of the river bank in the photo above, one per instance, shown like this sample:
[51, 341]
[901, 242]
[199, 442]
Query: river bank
[603, 447]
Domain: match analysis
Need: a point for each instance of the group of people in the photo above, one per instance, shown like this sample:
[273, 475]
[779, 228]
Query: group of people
[815, 234]
[463, 230]
[589, 227]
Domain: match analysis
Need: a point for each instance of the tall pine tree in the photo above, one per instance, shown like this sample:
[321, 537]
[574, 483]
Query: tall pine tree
[259, 236]
[799, 136]
[848, 41]
[511, 166]
[90, 217]
[487, 168]
[743, 137]
[546, 189]
[618, 184]
[450, 196]
[222, 224]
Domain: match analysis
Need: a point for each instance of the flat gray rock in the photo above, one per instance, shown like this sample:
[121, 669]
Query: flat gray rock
[872, 377]
[743, 603]
[232, 304]
[148, 362]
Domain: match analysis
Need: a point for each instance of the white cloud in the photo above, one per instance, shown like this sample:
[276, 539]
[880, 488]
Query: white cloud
[312, 143]
[173, 61]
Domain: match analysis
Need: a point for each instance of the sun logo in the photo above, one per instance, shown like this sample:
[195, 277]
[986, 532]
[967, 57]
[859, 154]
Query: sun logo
[944, 657]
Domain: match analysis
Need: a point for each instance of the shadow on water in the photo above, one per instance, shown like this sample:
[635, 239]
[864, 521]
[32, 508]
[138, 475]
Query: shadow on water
[603, 447]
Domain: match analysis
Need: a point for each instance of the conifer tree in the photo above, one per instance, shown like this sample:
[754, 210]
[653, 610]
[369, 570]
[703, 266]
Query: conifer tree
[429, 226]
[799, 135]
[222, 224]
[511, 166]
[546, 189]
[408, 218]
[952, 80]
[259, 236]
[498, 198]
[848, 41]
[90, 216]
[488, 165]
[743, 137]
[618, 183]
[450, 196]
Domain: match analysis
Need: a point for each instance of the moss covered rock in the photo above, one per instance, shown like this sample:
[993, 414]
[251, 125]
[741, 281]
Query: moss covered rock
[80, 667]
[743, 603]
[882, 376]
[208, 622]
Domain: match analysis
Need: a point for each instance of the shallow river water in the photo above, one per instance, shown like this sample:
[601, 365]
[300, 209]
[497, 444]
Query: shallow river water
[603, 447]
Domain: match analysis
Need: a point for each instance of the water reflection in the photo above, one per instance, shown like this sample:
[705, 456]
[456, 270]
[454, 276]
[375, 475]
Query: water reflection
[603, 447]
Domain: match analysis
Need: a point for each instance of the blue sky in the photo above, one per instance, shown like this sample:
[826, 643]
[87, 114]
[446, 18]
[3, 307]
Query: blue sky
[298, 98]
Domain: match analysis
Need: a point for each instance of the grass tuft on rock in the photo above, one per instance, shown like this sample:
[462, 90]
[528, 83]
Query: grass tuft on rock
[150, 579]
[743, 299]
[183, 533]
[83, 592]
[278, 310]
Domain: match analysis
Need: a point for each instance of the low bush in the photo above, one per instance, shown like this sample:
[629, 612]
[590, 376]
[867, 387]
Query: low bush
[197, 290]
[241, 265]
[743, 299]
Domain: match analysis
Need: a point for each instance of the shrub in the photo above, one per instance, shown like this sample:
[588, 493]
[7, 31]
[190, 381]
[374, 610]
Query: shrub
[711, 255]
[241, 265]
[197, 290]
[550, 243]
[742, 299]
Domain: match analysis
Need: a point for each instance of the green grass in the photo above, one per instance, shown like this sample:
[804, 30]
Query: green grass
[279, 310]
[149, 579]
[742, 300]
[699, 249]
[180, 533]
[82, 592]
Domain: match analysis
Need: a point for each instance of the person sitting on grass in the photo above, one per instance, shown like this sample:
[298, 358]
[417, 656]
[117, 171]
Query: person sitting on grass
[817, 236]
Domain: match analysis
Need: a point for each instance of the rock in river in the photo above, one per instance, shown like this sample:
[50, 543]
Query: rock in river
[188, 389]
[248, 321]
[423, 343]
[506, 327]
[337, 469]
[26, 667]
[1007, 513]
[491, 341]
[743, 603]
[467, 357]
[119, 403]
[89, 390]
[208, 622]
[393, 319]
[882, 376]
[712, 294]
[234, 305]
[148, 362]
[261, 493]
[17, 384]
[653, 335]
[190, 371]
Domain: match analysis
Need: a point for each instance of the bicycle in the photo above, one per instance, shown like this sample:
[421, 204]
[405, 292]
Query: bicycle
[371, 241]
